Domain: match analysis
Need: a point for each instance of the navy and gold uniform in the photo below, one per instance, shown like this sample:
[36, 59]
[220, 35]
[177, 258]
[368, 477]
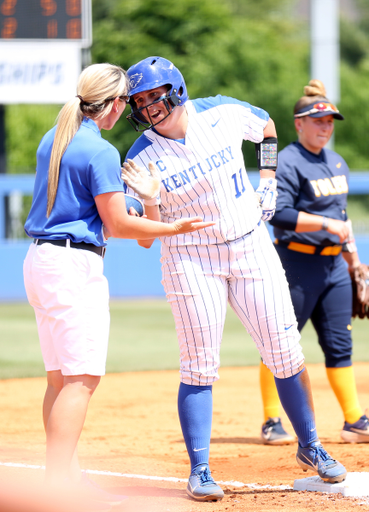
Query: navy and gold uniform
[316, 271]
[314, 240]
[316, 184]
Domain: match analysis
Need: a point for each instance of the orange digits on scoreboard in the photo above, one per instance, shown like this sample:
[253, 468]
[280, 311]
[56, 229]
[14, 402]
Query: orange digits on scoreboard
[73, 7]
[8, 7]
[9, 27]
[74, 29]
[56, 22]
[49, 7]
[52, 29]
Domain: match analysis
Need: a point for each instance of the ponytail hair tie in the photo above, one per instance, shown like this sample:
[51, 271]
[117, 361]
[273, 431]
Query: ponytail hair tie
[82, 101]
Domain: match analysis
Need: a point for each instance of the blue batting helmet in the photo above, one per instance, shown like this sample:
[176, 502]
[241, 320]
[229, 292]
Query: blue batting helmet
[151, 73]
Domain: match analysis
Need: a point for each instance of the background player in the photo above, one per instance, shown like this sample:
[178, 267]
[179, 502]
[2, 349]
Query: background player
[196, 146]
[313, 240]
[78, 185]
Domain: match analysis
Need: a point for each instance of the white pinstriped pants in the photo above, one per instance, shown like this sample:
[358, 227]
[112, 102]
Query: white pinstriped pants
[247, 273]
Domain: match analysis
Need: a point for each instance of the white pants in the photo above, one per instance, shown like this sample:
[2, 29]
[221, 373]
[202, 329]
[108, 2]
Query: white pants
[247, 273]
[70, 296]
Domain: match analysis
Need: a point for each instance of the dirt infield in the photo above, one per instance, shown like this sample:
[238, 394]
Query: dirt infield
[132, 429]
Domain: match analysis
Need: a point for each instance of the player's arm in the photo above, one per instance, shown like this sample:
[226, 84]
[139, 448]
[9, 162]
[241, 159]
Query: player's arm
[308, 222]
[352, 259]
[112, 210]
[267, 159]
[270, 135]
[152, 213]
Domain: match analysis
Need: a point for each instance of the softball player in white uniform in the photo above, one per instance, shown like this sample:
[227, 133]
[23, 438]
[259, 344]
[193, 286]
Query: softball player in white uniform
[196, 147]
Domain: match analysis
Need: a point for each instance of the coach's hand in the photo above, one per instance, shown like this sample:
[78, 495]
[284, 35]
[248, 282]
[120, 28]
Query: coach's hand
[145, 184]
[182, 226]
[266, 195]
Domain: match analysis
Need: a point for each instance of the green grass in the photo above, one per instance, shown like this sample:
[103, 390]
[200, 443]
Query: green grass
[142, 337]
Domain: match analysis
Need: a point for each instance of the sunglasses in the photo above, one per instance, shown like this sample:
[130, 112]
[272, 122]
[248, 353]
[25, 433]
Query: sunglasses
[123, 98]
[318, 107]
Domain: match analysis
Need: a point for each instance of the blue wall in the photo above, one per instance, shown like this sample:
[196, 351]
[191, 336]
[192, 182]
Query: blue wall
[131, 270]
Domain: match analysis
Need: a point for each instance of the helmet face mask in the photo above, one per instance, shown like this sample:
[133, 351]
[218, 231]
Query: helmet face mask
[149, 74]
[141, 119]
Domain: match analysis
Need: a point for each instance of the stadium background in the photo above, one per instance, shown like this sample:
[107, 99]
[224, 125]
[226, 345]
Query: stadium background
[257, 50]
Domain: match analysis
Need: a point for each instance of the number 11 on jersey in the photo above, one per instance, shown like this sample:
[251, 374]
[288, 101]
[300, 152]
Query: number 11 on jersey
[234, 177]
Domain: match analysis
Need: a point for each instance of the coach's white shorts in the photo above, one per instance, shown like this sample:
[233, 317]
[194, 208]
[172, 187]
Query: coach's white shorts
[246, 273]
[70, 296]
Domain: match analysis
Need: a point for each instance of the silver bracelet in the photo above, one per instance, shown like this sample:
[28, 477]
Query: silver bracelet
[325, 223]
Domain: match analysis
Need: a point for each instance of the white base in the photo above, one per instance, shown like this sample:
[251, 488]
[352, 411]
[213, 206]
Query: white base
[356, 484]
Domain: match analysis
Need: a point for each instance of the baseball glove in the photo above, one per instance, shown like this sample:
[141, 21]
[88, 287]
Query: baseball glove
[360, 291]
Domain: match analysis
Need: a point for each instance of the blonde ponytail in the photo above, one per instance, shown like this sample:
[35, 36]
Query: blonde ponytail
[68, 122]
[98, 86]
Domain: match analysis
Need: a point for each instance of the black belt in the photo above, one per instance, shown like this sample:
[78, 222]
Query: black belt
[81, 245]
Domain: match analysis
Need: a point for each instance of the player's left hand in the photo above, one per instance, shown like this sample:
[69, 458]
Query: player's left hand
[360, 290]
[266, 195]
[145, 184]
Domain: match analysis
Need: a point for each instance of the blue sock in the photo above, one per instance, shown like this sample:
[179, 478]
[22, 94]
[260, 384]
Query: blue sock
[195, 409]
[295, 396]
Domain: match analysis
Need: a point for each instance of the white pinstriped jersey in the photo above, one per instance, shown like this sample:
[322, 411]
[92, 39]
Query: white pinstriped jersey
[204, 174]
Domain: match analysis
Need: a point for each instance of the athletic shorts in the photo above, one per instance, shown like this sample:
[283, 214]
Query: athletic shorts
[70, 296]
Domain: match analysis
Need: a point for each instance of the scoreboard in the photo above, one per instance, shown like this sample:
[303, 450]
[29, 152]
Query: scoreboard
[43, 46]
[45, 20]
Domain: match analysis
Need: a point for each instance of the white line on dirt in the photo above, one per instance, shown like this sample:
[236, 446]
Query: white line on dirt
[147, 477]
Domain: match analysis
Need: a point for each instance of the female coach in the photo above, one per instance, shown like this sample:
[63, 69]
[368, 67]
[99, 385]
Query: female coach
[197, 147]
[78, 187]
[315, 243]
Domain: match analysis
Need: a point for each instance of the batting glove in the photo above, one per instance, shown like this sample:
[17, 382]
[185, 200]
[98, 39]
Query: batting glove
[266, 195]
[145, 184]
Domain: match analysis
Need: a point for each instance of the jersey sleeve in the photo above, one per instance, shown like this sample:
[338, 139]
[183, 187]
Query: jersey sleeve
[104, 172]
[252, 119]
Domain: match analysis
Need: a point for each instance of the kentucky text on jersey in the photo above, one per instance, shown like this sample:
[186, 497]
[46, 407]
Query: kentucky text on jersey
[180, 179]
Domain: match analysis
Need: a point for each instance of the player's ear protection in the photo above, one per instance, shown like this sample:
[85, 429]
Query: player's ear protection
[267, 153]
[149, 74]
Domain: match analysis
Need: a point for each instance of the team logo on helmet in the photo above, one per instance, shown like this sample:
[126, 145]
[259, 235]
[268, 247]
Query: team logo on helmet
[135, 80]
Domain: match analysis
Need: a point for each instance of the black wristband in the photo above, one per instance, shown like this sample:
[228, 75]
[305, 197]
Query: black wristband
[267, 153]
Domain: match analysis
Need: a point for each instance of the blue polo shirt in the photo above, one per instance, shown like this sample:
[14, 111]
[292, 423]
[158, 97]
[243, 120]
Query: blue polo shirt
[90, 166]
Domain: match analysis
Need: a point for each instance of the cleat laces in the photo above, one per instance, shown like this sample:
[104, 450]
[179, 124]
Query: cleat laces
[205, 477]
[324, 457]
